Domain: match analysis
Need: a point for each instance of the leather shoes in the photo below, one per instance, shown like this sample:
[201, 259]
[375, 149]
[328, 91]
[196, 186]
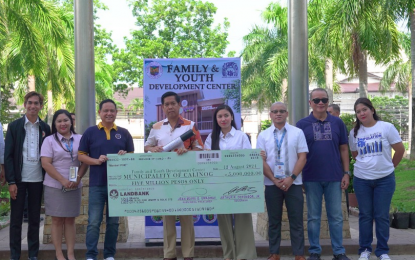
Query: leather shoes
[175, 258]
[273, 257]
[188, 258]
[299, 257]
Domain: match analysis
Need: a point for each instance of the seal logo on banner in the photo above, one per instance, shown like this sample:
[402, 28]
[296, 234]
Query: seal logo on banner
[114, 194]
[157, 219]
[210, 218]
[196, 218]
[154, 70]
[230, 70]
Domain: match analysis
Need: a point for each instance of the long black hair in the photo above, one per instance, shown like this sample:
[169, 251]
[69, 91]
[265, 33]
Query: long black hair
[55, 131]
[367, 103]
[217, 129]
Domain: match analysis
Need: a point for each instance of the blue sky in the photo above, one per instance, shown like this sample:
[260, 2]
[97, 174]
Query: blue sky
[242, 15]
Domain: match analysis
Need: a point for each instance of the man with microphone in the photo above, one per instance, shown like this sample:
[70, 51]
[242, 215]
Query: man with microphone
[162, 134]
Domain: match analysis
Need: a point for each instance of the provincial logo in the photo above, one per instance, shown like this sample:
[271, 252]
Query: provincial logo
[157, 219]
[154, 70]
[230, 70]
[210, 218]
[114, 194]
[196, 218]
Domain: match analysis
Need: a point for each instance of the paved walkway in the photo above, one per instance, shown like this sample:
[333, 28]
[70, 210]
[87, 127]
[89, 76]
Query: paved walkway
[402, 245]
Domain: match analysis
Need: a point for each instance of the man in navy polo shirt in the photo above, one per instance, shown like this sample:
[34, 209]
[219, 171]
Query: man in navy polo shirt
[96, 143]
[325, 173]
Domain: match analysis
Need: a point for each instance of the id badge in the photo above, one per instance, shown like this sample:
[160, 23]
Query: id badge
[279, 170]
[73, 173]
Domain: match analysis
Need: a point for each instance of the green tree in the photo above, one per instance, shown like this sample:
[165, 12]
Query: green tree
[37, 40]
[353, 30]
[136, 106]
[170, 29]
[265, 57]
[398, 72]
[403, 10]
[6, 106]
[36, 47]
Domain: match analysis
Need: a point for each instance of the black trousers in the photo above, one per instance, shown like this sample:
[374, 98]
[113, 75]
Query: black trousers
[34, 191]
[294, 201]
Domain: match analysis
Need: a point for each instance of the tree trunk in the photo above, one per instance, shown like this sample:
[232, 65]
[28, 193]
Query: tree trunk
[363, 74]
[411, 96]
[50, 107]
[31, 82]
[284, 89]
[329, 79]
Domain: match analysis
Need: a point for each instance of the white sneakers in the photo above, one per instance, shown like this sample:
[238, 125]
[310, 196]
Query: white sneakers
[365, 255]
[384, 257]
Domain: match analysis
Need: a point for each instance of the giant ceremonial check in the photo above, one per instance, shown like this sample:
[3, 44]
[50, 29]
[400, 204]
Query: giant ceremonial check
[205, 182]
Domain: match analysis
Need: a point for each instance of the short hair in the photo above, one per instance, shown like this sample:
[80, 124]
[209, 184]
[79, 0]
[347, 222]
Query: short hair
[32, 94]
[72, 114]
[318, 89]
[279, 103]
[107, 101]
[335, 107]
[169, 94]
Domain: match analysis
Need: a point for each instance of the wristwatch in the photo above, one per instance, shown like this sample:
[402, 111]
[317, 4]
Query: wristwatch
[293, 176]
[348, 173]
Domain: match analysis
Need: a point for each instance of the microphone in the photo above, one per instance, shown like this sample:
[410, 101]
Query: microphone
[178, 141]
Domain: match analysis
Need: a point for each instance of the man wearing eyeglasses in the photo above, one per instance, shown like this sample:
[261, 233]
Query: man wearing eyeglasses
[284, 151]
[325, 173]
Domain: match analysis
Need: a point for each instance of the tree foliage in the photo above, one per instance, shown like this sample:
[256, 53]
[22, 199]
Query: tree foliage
[351, 30]
[265, 56]
[37, 40]
[169, 29]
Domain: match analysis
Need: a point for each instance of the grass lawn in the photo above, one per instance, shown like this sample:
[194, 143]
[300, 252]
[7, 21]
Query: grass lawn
[404, 197]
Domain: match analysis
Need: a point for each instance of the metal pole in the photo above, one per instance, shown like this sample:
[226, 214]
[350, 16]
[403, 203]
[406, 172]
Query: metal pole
[84, 65]
[297, 60]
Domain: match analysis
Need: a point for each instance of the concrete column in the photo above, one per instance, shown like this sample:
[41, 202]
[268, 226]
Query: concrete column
[297, 60]
[84, 65]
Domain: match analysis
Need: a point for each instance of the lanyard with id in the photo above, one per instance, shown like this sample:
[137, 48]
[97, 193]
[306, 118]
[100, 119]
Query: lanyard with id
[73, 170]
[279, 169]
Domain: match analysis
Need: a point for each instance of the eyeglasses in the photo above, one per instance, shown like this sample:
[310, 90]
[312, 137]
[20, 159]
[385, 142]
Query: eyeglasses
[280, 111]
[317, 100]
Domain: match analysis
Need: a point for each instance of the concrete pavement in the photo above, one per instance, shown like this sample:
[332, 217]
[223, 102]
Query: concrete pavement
[402, 245]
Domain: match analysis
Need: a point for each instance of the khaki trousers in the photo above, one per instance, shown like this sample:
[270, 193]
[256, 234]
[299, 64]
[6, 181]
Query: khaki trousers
[187, 236]
[237, 236]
